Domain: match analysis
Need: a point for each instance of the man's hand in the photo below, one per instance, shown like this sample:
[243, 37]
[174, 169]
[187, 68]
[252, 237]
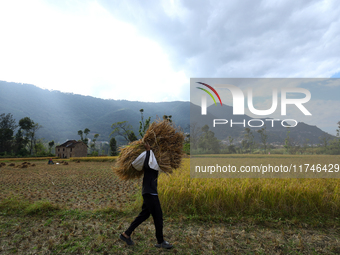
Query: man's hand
[146, 146]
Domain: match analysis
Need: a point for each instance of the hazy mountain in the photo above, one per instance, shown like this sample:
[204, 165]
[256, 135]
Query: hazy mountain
[63, 114]
[276, 134]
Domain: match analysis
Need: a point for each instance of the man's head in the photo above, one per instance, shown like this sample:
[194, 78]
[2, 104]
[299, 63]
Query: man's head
[147, 146]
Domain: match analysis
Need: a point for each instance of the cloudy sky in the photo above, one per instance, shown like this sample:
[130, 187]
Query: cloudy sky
[149, 50]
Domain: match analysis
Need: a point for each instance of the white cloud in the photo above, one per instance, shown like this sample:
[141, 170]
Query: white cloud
[241, 38]
[85, 52]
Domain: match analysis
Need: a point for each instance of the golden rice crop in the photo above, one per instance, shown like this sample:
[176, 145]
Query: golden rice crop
[27, 159]
[289, 197]
[94, 159]
[166, 142]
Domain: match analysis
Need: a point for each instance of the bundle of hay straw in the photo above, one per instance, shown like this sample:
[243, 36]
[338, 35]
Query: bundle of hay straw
[166, 142]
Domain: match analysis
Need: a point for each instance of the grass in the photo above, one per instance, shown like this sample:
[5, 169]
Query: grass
[14, 205]
[82, 207]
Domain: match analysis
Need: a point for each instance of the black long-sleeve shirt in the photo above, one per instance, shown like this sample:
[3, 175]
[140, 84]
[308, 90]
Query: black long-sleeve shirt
[150, 177]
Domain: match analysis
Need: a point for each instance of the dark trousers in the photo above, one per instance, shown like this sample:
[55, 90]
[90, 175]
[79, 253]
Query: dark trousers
[151, 205]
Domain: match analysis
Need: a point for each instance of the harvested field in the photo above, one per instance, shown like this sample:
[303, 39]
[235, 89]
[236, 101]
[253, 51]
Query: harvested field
[98, 234]
[81, 208]
[88, 186]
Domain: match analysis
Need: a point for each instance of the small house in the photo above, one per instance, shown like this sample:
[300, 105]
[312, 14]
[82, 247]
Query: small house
[71, 148]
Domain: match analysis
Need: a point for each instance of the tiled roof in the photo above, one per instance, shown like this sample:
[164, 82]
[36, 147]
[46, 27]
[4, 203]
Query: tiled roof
[69, 144]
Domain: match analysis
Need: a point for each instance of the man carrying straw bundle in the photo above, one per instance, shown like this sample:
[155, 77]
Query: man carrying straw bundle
[151, 204]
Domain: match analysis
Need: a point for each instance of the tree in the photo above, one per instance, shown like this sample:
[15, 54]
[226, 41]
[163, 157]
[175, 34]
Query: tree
[287, 141]
[143, 126]
[7, 127]
[292, 146]
[86, 132]
[20, 143]
[195, 133]
[50, 145]
[39, 148]
[7, 122]
[334, 145]
[244, 145]
[305, 146]
[93, 145]
[249, 140]
[113, 147]
[231, 147]
[80, 133]
[6, 136]
[30, 128]
[263, 137]
[132, 137]
[324, 139]
[124, 130]
[186, 144]
[26, 124]
[34, 129]
[105, 147]
[208, 141]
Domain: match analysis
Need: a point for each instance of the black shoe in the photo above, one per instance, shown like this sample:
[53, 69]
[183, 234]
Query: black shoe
[165, 245]
[127, 240]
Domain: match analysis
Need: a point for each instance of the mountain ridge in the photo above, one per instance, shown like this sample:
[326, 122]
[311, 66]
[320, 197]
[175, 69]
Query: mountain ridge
[63, 114]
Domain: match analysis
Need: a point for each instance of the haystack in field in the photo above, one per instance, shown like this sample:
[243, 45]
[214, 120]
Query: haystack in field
[166, 142]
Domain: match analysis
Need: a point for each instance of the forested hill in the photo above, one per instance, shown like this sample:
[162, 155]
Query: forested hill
[63, 114]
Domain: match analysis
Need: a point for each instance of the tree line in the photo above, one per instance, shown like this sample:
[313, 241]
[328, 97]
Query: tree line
[20, 139]
[24, 141]
[203, 141]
